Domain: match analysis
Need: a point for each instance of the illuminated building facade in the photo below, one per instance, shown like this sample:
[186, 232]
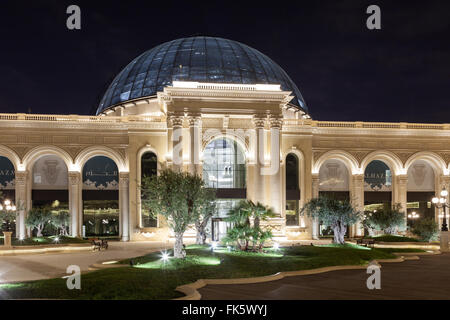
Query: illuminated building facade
[225, 111]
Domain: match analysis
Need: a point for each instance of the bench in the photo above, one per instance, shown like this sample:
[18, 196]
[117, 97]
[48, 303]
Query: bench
[366, 242]
[97, 245]
[104, 244]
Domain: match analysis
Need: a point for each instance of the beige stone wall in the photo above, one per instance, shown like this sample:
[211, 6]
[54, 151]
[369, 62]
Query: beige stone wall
[124, 136]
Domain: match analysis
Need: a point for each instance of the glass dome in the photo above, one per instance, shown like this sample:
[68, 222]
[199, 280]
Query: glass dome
[202, 59]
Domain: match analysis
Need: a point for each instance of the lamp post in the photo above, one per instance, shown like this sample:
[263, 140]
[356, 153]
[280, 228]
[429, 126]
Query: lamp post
[8, 211]
[442, 202]
[413, 216]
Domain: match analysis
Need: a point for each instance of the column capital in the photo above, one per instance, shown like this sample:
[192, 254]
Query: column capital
[21, 177]
[444, 179]
[315, 178]
[358, 178]
[194, 119]
[402, 179]
[276, 122]
[74, 177]
[259, 120]
[175, 119]
[124, 178]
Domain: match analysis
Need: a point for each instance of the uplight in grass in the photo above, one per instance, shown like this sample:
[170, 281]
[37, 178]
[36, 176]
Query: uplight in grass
[164, 256]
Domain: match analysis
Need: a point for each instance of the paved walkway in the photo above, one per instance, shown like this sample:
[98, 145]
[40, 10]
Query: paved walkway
[427, 278]
[51, 265]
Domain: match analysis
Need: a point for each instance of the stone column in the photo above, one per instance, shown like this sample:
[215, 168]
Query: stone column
[259, 183]
[177, 139]
[74, 201]
[21, 203]
[195, 142]
[315, 194]
[275, 169]
[402, 190]
[357, 199]
[124, 195]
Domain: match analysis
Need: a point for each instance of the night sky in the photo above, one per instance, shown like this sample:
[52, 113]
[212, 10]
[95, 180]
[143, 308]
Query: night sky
[344, 71]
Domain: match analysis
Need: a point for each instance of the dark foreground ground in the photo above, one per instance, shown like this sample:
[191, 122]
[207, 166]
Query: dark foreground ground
[427, 278]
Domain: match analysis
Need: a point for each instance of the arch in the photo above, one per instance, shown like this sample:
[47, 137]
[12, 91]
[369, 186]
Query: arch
[95, 151]
[11, 155]
[229, 135]
[34, 154]
[350, 162]
[435, 161]
[391, 160]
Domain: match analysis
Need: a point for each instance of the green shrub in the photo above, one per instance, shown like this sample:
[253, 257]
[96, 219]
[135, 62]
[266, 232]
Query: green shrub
[426, 229]
[389, 220]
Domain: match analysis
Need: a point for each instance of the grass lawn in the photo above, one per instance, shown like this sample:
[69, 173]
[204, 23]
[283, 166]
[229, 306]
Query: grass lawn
[393, 238]
[151, 278]
[45, 241]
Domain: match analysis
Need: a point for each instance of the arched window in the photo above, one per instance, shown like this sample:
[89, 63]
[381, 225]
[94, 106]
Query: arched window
[149, 167]
[7, 186]
[377, 185]
[224, 165]
[100, 197]
[292, 190]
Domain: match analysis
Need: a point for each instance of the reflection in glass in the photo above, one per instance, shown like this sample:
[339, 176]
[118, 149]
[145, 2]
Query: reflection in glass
[224, 164]
[101, 217]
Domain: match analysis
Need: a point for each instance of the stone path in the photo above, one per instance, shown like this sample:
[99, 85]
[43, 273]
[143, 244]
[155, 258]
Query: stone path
[427, 278]
[51, 265]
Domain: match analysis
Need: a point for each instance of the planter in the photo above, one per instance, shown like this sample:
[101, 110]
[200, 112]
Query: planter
[7, 240]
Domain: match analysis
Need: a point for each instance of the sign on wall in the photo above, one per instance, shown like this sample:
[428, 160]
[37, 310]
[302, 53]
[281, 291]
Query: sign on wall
[7, 174]
[377, 177]
[100, 173]
[50, 173]
[333, 176]
[420, 176]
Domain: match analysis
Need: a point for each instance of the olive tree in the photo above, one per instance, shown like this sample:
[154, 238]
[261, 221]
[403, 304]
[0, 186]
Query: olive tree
[206, 209]
[334, 213]
[61, 222]
[181, 197]
[38, 218]
[388, 219]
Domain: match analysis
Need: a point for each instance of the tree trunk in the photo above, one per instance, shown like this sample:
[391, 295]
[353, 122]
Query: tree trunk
[178, 251]
[256, 223]
[201, 234]
[39, 231]
[201, 237]
[339, 233]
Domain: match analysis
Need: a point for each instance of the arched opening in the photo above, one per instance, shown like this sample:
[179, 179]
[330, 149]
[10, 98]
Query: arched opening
[420, 191]
[292, 190]
[100, 198]
[333, 183]
[50, 187]
[149, 167]
[7, 186]
[224, 170]
[377, 185]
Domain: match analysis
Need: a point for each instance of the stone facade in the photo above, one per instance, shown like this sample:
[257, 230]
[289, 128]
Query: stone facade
[178, 124]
